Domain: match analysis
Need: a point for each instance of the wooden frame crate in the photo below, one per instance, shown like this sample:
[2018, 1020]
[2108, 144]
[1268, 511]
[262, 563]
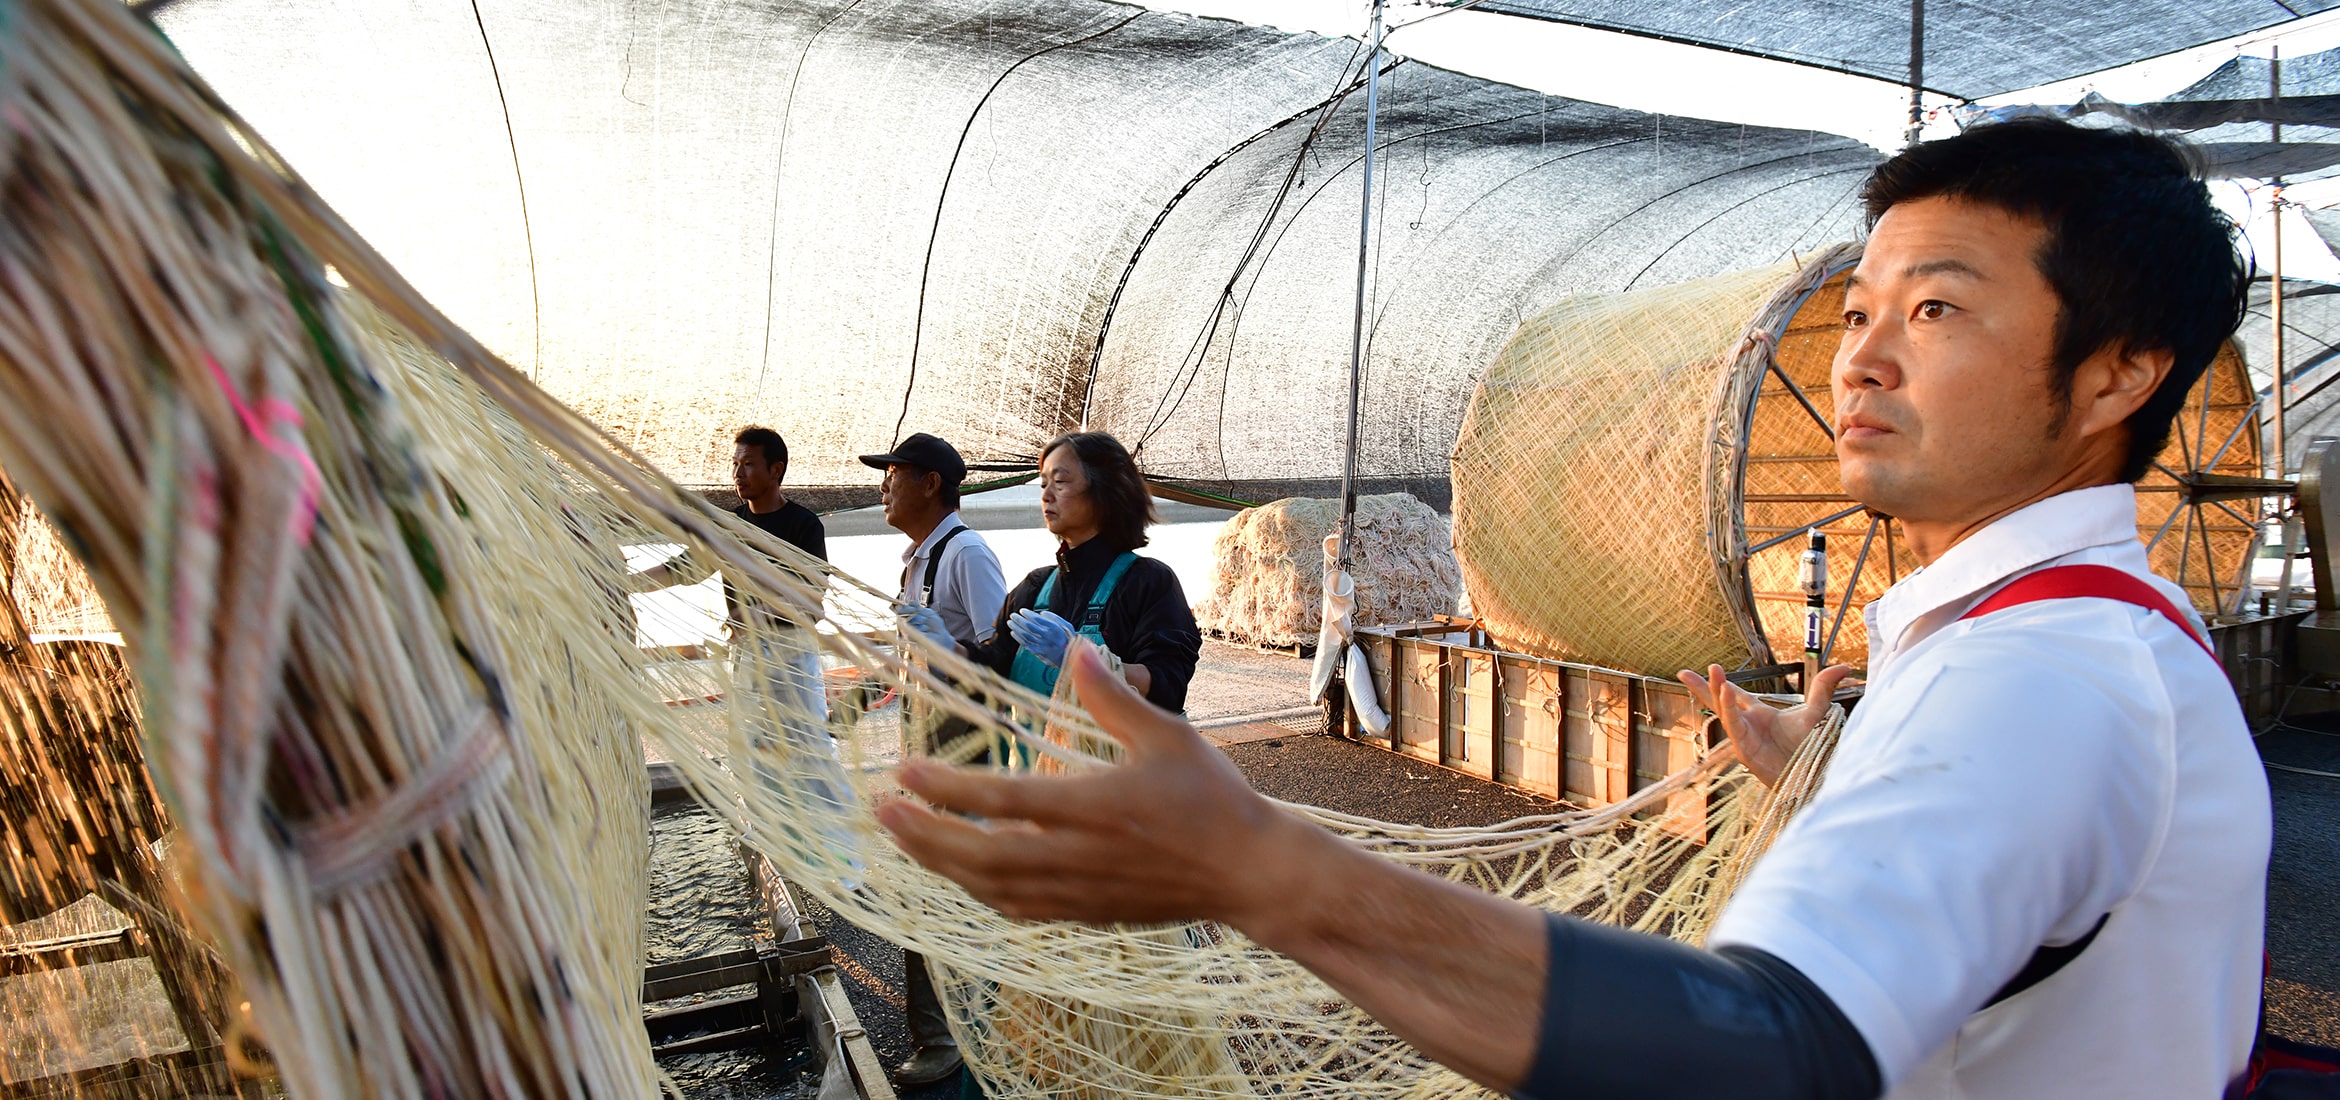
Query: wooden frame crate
[1587, 735]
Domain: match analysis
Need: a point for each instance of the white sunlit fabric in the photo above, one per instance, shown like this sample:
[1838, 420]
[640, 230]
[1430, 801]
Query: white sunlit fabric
[840, 217]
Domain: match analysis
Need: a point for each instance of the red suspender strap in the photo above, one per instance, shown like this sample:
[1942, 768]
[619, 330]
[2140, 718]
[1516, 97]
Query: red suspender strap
[2102, 582]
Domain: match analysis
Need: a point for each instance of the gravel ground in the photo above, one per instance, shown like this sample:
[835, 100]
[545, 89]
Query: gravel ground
[1339, 774]
[2303, 884]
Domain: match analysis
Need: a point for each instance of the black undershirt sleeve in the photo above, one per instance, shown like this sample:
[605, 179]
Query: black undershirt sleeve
[1148, 623]
[999, 654]
[1634, 1015]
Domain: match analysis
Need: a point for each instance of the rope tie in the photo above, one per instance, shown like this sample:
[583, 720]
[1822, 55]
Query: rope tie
[353, 847]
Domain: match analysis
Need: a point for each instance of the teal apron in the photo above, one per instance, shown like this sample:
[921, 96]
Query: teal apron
[1034, 673]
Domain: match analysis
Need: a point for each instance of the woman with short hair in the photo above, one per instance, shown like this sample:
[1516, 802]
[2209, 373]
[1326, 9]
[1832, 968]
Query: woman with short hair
[1096, 503]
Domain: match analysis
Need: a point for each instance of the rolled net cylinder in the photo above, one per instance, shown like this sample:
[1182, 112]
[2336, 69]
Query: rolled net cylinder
[1636, 472]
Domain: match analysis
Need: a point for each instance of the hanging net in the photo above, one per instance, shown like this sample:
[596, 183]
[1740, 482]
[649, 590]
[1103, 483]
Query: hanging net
[374, 592]
[1677, 445]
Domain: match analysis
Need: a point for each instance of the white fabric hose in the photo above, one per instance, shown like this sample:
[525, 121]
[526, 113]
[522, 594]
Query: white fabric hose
[1362, 701]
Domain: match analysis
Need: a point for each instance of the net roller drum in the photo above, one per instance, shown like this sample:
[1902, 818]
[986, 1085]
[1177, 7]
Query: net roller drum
[1638, 474]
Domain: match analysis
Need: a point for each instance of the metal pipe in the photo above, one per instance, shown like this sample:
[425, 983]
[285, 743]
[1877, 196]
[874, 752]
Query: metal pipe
[1357, 326]
[2275, 313]
[1917, 69]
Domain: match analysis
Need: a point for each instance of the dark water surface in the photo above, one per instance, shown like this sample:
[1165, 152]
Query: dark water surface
[700, 904]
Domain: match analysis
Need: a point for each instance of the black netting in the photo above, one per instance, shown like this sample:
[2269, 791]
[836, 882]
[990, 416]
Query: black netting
[1973, 49]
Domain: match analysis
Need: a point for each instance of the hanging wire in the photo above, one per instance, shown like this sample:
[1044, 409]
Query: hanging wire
[527, 231]
[934, 233]
[1269, 252]
[779, 159]
[1726, 211]
[1113, 304]
[1190, 365]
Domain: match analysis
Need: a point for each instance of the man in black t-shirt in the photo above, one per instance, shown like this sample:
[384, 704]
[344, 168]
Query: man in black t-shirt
[759, 459]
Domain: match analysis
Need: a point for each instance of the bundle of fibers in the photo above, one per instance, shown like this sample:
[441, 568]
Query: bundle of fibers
[82, 837]
[370, 583]
[49, 590]
[338, 694]
[1267, 572]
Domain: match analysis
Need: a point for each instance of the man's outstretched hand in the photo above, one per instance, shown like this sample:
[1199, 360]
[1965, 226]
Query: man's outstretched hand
[1173, 832]
[1765, 736]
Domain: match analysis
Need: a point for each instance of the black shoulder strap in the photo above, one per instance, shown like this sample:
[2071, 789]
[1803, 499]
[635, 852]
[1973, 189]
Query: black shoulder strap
[934, 562]
[2045, 962]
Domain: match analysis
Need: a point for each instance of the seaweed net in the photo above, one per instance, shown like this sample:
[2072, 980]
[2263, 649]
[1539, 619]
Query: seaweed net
[379, 597]
[1681, 447]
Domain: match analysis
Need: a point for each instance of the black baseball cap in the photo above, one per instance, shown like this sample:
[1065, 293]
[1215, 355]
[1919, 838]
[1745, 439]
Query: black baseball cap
[927, 452]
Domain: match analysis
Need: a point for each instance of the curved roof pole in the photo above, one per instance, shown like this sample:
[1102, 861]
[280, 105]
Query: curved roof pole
[1357, 327]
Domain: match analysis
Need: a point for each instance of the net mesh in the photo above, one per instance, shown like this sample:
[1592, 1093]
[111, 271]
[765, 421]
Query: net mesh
[1680, 444]
[375, 591]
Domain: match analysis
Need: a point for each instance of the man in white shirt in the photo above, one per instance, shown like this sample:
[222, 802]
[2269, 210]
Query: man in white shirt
[948, 567]
[2037, 865]
[952, 589]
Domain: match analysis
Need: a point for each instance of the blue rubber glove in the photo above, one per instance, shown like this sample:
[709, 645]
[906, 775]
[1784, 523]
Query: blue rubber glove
[927, 621]
[1043, 634]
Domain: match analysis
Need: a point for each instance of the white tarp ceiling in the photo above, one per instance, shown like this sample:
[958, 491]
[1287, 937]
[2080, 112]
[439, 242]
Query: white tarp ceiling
[851, 217]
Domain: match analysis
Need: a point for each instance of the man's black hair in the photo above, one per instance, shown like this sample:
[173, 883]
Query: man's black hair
[1116, 489]
[2138, 257]
[766, 440]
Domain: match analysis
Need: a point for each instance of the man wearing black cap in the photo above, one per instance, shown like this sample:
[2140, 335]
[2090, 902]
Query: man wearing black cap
[952, 589]
[948, 569]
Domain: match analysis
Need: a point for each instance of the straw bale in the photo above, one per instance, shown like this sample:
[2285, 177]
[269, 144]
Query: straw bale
[1579, 476]
[1267, 576]
[1627, 457]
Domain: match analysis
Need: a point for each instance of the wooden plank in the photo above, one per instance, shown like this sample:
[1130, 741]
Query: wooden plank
[1612, 717]
[835, 1025]
[673, 1025]
[1588, 735]
[1472, 700]
[712, 1043]
[1528, 724]
[681, 979]
[1421, 710]
[1598, 735]
[1668, 732]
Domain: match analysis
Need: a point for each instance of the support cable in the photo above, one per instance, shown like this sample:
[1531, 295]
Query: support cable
[519, 184]
[926, 269]
[780, 159]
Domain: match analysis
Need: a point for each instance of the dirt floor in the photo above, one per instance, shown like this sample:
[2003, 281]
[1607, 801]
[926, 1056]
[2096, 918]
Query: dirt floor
[1339, 774]
[1235, 683]
[2303, 882]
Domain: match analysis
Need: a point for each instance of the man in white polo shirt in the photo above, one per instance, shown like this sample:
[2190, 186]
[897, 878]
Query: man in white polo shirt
[2037, 865]
[952, 589]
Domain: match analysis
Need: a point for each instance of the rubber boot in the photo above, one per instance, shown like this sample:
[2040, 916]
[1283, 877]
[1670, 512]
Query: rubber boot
[934, 1055]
